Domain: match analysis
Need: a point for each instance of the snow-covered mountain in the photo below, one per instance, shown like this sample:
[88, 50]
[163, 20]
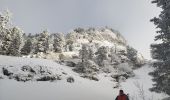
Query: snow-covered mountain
[115, 44]
[90, 57]
[89, 52]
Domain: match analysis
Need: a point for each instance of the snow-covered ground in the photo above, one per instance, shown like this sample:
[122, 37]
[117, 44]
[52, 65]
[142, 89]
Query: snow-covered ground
[141, 82]
[81, 89]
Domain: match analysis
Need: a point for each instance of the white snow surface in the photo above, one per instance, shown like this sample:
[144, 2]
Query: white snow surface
[81, 89]
[144, 81]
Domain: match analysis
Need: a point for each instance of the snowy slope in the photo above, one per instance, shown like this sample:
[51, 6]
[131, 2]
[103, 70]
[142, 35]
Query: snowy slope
[15, 64]
[81, 89]
[143, 81]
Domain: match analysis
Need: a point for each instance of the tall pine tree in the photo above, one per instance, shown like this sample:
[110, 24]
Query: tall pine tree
[43, 42]
[59, 42]
[17, 41]
[161, 51]
[10, 37]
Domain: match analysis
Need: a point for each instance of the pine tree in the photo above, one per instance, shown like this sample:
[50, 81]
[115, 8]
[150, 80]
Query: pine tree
[70, 40]
[131, 54]
[27, 48]
[59, 42]
[34, 40]
[6, 43]
[5, 33]
[101, 55]
[113, 56]
[11, 38]
[51, 42]
[161, 50]
[17, 41]
[42, 42]
[91, 53]
[84, 53]
[86, 65]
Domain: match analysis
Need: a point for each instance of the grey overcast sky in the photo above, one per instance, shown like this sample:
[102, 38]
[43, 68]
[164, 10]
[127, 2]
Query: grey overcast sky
[130, 17]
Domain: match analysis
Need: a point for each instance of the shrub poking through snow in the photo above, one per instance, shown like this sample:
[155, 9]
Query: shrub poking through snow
[70, 79]
[6, 72]
[47, 78]
[91, 77]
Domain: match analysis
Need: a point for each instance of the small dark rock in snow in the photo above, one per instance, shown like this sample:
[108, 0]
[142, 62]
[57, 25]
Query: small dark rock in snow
[47, 78]
[64, 73]
[22, 77]
[70, 79]
[116, 86]
[6, 72]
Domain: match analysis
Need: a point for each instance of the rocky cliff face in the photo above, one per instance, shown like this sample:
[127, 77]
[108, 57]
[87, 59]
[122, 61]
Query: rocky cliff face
[97, 34]
[97, 37]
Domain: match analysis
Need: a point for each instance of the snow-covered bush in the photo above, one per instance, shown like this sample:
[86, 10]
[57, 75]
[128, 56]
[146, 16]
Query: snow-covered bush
[48, 78]
[136, 58]
[22, 77]
[70, 63]
[90, 76]
[6, 71]
[86, 67]
[61, 57]
[26, 73]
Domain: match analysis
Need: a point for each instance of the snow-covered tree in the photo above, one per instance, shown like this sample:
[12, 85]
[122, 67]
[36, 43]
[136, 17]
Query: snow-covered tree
[161, 51]
[51, 42]
[84, 53]
[113, 56]
[59, 42]
[70, 39]
[17, 41]
[11, 38]
[131, 53]
[91, 53]
[5, 19]
[34, 40]
[101, 55]
[6, 43]
[28, 47]
[79, 30]
[86, 65]
[5, 34]
[42, 42]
